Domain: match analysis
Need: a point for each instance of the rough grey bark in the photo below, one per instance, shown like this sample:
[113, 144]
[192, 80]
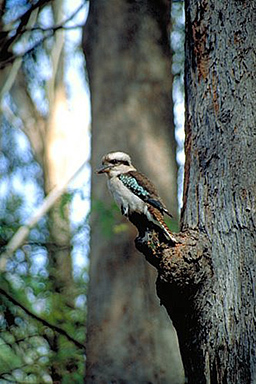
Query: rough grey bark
[207, 281]
[221, 129]
[129, 337]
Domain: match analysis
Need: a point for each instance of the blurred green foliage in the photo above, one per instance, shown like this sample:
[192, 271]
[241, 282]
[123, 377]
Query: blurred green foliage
[29, 348]
[27, 345]
[108, 217]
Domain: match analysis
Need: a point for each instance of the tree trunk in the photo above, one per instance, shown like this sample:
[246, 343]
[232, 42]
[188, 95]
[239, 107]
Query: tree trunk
[221, 136]
[207, 281]
[128, 58]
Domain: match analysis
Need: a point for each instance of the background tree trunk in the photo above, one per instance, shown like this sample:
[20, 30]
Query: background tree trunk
[207, 281]
[56, 167]
[128, 58]
[51, 139]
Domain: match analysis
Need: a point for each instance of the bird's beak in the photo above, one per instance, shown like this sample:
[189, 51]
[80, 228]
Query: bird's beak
[103, 169]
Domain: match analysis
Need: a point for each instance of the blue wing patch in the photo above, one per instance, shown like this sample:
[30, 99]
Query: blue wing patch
[131, 183]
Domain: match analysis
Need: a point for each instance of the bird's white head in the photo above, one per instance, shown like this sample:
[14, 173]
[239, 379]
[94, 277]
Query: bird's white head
[115, 163]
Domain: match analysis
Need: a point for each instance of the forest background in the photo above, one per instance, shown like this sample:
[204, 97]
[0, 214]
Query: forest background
[46, 150]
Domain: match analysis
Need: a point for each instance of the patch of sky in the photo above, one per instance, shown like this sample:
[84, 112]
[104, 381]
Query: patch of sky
[177, 45]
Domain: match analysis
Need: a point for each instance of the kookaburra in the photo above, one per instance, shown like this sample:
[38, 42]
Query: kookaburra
[133, 191]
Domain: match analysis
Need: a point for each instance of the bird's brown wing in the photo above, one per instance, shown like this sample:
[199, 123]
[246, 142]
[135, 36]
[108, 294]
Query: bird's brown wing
[151, 197]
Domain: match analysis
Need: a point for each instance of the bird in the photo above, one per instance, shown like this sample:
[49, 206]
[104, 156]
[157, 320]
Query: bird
[133, 191]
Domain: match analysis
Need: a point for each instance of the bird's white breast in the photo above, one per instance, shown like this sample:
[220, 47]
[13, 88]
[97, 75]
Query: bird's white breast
[124, 197]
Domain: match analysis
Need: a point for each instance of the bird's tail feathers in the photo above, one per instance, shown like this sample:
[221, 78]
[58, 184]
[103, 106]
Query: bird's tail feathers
[158, 204]
[159, 221]
[167, 212]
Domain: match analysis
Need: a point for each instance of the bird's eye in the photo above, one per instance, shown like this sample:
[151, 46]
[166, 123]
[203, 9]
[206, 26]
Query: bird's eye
[114, 161]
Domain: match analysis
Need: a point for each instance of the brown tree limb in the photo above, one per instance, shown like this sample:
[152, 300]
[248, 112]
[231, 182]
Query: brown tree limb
[60, 25]
[41, 320]
[8, 57]
[5, 53]
[185, 275]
